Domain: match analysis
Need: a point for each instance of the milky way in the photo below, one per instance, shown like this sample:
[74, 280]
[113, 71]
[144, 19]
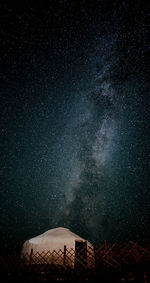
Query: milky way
[75, 120]
[100, 155]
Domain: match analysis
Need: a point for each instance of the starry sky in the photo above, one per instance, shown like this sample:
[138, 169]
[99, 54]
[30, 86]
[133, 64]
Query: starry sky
[74, 119]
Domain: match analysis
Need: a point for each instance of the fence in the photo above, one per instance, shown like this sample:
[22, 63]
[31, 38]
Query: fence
[124, 262]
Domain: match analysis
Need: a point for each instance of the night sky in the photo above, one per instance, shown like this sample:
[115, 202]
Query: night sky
[74, 120]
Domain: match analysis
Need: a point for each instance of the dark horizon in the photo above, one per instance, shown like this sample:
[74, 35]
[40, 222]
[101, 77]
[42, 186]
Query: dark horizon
[74, 120]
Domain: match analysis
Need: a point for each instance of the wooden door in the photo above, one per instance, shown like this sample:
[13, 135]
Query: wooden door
[80, 254]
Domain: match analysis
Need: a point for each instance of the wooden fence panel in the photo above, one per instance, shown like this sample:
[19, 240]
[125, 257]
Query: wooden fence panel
[120, 257]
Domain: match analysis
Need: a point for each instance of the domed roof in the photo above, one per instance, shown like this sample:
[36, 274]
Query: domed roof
[53, 239]
[56, 234]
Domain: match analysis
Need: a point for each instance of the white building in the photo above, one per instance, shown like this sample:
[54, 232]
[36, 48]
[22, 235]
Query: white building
[58, 246]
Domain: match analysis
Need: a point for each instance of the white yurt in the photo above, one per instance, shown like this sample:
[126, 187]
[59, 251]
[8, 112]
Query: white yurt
[57, 246]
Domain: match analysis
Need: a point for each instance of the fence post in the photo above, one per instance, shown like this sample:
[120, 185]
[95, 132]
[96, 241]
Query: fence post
[64, 255]
[106, 249]
[95, 256]
[30, 259]
[145, 277]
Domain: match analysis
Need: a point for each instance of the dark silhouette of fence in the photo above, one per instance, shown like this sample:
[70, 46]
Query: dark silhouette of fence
[108, 263]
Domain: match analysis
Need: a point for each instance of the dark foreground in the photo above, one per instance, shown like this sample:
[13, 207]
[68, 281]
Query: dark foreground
[109, 263]
[134, 274]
